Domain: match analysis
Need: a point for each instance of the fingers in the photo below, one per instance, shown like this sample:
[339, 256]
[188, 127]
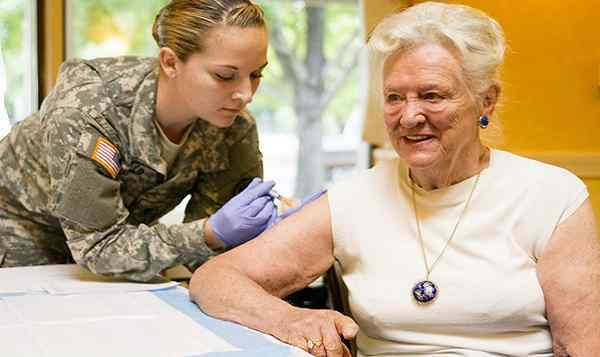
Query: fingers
[313, 197]
[267, 212]
[303, 203]
[329, 343]
[297, 341]
[252, 192]
[255, 181]
[289, 212]
[254, 209]
[315, 346]
[332, 344]
[274, 219]
[318, 332]
[347, 352]
[346, 327]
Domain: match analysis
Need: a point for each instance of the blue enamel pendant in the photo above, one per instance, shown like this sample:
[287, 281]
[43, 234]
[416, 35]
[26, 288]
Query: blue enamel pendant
[425, 292]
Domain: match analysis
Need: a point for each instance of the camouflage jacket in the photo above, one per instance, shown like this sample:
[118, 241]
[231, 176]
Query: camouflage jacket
[110, 223]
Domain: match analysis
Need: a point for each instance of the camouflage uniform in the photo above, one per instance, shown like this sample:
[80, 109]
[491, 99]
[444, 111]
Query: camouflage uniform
[58, 205]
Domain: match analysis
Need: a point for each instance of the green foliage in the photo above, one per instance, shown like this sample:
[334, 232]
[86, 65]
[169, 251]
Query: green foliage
[342, 40]
[110, 27]
[14, 51]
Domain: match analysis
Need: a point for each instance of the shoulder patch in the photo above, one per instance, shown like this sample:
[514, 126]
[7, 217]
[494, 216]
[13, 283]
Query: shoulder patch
[107, 156]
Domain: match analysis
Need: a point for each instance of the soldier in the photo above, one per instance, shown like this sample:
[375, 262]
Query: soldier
[119, 142]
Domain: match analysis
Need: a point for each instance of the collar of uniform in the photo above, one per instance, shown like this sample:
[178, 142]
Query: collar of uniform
[144, 138]
[211, 145]
[206, 148]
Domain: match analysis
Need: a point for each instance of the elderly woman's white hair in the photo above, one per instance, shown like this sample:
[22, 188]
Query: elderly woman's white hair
[473, 35]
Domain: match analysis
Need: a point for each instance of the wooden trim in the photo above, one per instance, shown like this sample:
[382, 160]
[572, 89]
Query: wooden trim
[584, 165]
[51, 43]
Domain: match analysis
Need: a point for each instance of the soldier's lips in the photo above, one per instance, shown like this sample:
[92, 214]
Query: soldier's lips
[231, 110]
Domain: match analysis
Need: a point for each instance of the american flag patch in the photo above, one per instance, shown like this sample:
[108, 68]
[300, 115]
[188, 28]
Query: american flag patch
[107, 156]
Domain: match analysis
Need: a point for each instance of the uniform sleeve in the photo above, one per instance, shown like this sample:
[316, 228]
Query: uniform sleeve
[213, 190]
[87, 201]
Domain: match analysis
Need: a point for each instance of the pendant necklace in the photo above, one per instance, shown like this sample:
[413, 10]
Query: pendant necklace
[425, 291]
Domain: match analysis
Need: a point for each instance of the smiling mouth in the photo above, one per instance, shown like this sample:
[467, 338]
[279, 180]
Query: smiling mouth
[417, 138]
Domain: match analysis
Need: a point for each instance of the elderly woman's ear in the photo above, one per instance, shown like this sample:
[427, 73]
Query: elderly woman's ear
[490, 98]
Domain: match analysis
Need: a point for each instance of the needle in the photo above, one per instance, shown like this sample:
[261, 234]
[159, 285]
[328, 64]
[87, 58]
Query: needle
[288, 203]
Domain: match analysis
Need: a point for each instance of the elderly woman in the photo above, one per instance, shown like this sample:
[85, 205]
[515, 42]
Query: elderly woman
[452, 249]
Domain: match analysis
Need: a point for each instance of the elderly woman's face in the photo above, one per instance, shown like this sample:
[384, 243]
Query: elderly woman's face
[430, 115]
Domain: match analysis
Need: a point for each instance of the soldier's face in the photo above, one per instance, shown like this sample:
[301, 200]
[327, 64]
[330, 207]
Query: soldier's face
[217, 83]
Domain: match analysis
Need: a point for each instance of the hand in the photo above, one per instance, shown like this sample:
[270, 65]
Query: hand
[246, 215]
[306, 200]
[317, 331]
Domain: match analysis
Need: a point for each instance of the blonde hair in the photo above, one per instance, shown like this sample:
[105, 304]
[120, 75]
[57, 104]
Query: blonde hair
[182, 24]
[476, 37]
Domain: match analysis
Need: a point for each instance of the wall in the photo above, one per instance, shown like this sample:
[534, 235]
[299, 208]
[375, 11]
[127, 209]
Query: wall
[551, 89]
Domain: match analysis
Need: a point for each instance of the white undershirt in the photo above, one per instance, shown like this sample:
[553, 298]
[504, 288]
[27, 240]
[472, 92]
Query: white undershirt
[169, 149]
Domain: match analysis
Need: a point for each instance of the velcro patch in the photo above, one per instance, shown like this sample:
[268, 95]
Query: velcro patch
[107, 156]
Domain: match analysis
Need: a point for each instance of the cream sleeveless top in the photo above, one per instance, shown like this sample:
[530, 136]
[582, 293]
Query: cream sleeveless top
[490, 302]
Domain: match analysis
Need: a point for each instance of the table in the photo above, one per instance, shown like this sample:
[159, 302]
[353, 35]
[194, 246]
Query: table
[107, 318]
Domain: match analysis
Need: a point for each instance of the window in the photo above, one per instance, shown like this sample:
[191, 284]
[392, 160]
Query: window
[309, 107]
[105, 28]
[18, 65]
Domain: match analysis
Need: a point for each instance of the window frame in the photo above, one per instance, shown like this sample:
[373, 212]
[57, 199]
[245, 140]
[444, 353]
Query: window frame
[51, 43]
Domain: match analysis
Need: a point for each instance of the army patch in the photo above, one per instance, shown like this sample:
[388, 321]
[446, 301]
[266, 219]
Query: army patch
[107, 156]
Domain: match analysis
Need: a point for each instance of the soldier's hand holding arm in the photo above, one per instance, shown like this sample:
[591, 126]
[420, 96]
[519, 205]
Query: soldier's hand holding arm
[245, 216]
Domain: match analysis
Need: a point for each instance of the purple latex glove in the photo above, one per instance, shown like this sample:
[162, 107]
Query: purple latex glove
[306, 200]
[246, 215]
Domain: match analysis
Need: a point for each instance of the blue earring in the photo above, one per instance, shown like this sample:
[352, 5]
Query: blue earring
[484, 121]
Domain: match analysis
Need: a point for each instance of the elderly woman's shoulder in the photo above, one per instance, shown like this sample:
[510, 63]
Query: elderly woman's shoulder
[531, 170]
[382, 174]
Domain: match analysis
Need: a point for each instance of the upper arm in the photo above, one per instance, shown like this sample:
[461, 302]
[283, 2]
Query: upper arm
[75, 178]
[291, 254]
[569, 273]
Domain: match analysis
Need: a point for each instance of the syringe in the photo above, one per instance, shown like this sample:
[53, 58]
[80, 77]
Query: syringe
[287, 203]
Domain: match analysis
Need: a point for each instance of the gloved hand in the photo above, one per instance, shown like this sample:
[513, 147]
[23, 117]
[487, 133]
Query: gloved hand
[246, 215]
[306, 200]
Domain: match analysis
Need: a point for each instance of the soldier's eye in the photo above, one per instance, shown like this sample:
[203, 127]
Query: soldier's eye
[224, 77]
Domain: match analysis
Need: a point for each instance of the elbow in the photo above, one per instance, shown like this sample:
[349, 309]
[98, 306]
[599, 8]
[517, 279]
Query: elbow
[214, 286]
[201, 285]
[196, 282]
[133, 269]
[559, 350]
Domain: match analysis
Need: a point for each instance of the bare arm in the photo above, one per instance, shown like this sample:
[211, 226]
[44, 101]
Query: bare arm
[569, 272]
[245, 284]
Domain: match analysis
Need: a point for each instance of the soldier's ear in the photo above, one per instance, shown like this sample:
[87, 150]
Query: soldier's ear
[168, 61]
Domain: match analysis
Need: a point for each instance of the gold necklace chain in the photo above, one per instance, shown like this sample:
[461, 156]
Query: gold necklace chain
[414, 200]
